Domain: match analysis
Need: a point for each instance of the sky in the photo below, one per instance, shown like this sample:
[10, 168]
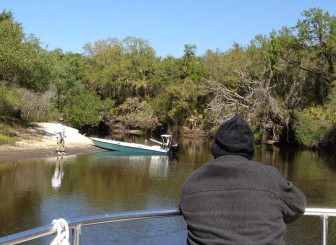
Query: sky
[168, 25]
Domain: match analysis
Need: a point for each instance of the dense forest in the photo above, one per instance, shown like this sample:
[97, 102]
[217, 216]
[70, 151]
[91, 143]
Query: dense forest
[283, 83]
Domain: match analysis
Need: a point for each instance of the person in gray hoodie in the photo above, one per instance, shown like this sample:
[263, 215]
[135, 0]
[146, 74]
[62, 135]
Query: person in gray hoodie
[234, 200]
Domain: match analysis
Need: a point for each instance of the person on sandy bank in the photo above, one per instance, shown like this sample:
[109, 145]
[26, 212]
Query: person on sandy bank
[60, 134]
[234, 200]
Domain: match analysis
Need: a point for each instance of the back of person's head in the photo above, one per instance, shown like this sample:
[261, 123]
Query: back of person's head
[234, 137]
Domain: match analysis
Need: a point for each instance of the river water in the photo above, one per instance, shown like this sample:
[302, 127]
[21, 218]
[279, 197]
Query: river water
[33, 192]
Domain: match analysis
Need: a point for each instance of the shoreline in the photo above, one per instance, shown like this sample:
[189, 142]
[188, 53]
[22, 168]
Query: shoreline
[44, 144]
[16, 153]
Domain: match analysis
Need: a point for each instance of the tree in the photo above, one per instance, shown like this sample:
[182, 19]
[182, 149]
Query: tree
[166, 71]
[24, 66]
[84, 107]
[119, 70]
[192, 66]
[22, 61]
[135, 113]
[68, 69]
[180, 101]
[6, 15]
[317, 36]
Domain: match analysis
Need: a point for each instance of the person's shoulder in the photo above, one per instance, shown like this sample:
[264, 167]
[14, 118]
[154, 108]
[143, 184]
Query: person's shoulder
[197, 173]
[263, 167]
[201, 168]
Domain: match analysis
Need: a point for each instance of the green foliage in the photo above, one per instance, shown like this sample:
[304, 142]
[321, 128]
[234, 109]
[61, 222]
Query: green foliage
[192, 66]
[6, 15]
[314, 113]
[11, 129]
[120, 69]
[6, 140]
[329, 140]
[317, 36]
[330, 113]
[316, 126]
[180, 101]
[166, 71]
[9, 100]
[22, 61]
[310, 127]
[68, 70]
[84, 108]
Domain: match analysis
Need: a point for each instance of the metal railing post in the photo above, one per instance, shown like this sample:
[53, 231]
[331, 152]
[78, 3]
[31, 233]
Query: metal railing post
[324, 229]
[76, 232]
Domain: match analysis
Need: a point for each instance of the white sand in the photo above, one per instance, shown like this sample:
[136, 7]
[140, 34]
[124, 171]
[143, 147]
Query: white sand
[46, 138]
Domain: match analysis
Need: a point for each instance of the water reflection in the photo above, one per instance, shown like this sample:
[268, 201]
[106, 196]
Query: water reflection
[154, 165]
[56, 180]
[105, 182]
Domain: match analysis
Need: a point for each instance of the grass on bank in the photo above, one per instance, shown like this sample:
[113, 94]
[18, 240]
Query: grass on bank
[12, 130]
[6, 140]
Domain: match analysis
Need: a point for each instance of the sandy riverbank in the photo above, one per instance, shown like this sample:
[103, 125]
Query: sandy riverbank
[44, 143]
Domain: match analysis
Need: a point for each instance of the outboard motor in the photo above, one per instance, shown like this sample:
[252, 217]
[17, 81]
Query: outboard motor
[175, 147]
[167, 143]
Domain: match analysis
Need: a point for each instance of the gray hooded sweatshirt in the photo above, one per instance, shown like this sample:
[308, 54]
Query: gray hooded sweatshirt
[233, 200]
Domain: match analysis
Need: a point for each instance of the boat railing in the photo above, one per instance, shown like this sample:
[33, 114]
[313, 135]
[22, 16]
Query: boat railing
[76, 224]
